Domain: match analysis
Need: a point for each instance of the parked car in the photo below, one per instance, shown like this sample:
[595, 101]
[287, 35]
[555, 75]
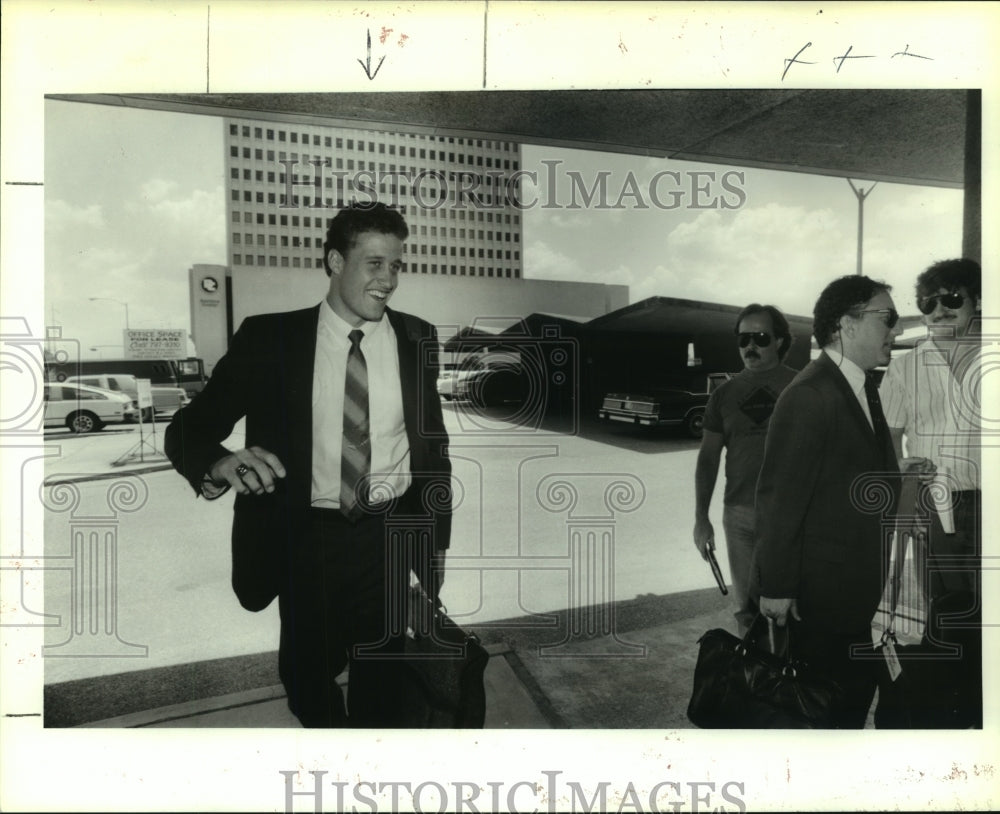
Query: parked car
[493, 386]
[85, 409]
[449, 383]
[166, 399]
[657, 407]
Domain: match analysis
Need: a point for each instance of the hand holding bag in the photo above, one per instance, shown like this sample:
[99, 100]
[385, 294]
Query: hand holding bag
[739, 685]
[444, 668]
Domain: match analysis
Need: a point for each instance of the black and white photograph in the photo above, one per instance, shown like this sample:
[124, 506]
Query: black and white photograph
[559, 410]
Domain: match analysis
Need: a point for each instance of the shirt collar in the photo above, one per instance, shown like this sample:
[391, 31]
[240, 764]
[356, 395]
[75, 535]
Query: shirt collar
[855, 375]
[331, 321]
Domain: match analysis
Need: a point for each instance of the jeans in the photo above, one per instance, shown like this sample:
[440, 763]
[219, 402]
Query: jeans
[738, 522]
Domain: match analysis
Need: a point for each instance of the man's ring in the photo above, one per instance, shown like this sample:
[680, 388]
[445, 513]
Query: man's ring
[241, 470]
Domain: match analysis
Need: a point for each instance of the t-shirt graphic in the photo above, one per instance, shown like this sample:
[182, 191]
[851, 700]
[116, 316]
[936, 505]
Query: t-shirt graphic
[759, 405]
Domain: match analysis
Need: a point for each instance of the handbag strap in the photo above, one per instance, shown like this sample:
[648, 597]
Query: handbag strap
[910, 491]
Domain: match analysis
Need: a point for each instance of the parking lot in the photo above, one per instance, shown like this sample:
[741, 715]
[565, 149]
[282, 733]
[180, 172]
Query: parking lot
[531, 504]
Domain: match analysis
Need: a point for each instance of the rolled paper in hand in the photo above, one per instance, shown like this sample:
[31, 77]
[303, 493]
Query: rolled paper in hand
[941, 493]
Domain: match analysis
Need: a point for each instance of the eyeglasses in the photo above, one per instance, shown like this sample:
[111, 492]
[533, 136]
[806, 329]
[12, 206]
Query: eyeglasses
[952, 299]
[760, 338]
[891, 318]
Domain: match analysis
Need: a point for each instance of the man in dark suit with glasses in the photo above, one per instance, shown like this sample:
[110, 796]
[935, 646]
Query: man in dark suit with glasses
[827, 493]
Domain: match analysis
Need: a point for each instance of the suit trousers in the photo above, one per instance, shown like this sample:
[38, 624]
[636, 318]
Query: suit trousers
[342, 604]
[847, 658]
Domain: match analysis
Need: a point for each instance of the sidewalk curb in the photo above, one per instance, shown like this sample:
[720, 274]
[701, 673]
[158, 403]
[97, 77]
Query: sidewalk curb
[57, 480]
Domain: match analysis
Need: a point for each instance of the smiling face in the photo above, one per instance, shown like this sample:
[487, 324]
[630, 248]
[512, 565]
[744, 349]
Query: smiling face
[951, 322]
[362, 282]
[867, 337]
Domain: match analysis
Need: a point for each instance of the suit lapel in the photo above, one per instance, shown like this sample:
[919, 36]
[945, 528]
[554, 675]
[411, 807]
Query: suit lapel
[884, 446]
[408, 346]
[844, 388]
[299, 354]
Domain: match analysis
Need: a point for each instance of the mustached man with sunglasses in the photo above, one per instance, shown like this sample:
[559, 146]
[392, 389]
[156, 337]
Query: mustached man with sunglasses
[820, 553]
[736, 419]
[931, 396]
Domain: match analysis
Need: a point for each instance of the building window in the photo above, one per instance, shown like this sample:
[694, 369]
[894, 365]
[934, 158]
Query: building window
[233, 130]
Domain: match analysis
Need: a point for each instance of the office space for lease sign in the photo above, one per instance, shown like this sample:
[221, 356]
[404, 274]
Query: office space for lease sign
[159, 343]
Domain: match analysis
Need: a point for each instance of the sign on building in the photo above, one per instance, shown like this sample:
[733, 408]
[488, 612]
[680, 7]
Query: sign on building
[156, 343]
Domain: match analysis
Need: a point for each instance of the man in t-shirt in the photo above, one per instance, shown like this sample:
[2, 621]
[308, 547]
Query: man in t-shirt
[736, 419]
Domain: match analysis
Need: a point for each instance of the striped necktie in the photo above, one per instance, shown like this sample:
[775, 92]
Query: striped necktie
[355, 454]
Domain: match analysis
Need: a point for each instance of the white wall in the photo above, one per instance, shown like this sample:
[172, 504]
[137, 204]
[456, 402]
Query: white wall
[446, 301]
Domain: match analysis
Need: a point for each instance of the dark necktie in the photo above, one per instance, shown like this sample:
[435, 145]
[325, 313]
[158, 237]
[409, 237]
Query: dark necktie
[875, 408]
[355, 450]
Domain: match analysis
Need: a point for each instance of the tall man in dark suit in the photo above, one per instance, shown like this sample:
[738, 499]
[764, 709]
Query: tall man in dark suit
[822, 524]
[344, 484]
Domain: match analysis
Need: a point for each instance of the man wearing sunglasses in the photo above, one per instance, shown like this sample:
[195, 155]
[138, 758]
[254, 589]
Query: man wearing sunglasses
[931, 397]
[828, 484]
[736, 419]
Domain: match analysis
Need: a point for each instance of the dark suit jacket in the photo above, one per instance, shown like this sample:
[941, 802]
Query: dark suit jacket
[266, 376]
[826, 495]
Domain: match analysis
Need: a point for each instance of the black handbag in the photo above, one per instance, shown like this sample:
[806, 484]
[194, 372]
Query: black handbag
[935, 683]
[740, 685]
[444, 668]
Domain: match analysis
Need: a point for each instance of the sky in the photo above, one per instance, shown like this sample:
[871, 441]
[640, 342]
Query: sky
[135, 197]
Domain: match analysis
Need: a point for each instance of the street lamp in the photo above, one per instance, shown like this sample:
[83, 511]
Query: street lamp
[112, 299]
[124, 305]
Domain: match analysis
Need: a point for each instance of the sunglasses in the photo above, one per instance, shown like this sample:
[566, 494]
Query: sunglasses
[891, 318]
[759, 338]
[952, 299]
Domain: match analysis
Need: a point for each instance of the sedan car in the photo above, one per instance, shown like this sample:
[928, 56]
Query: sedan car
[166, 399]
[657, 408]
[82, 408]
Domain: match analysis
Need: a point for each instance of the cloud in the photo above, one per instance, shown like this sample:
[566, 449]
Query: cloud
[61, 215]
[156, 189]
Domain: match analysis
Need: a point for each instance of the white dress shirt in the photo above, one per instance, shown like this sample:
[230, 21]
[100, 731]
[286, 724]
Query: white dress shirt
[390, 461]
[933, 394]
[855, 379]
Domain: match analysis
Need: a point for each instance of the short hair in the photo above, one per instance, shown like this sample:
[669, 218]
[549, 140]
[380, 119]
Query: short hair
[778, 323]
[843, 295]
[357, 219]
[951, 274]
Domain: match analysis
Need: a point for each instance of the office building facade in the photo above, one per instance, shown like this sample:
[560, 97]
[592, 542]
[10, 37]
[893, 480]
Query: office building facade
[286, 181]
